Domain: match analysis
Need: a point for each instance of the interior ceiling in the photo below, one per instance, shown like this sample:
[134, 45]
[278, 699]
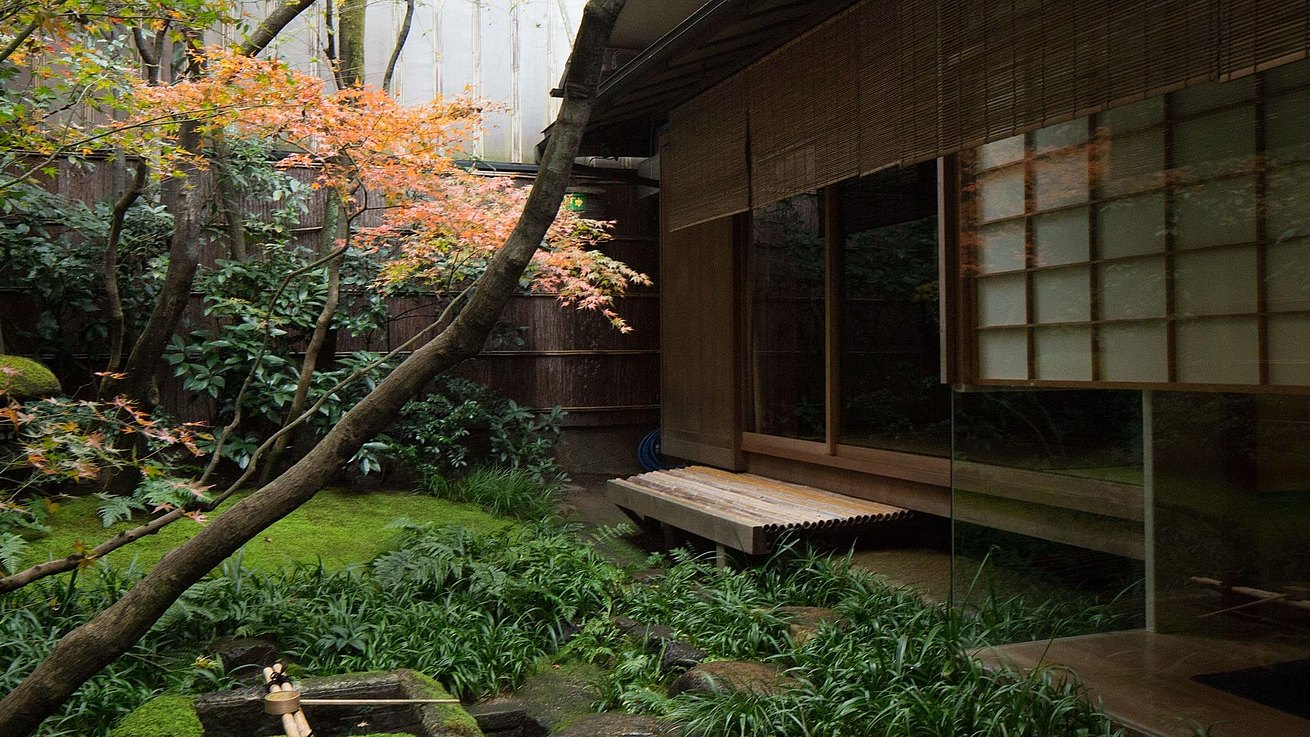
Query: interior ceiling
[643, 22]
[699, 44]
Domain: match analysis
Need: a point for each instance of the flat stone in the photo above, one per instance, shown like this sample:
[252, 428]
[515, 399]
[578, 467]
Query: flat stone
[678, 655]
[236, 652]
[650, 575]
[653, 635]
[558, 694]
[612, 724]
[498, 716]
[805, 621]
[728, 676]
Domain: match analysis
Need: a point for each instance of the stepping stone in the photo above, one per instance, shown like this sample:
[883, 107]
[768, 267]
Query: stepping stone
[558, 695]
[728, 676]
[616, 725]
[805, 621]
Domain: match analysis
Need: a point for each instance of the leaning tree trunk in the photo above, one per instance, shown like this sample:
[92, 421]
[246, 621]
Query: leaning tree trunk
[81, 653]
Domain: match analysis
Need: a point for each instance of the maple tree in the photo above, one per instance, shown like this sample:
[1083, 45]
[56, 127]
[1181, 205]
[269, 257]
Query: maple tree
[481, 239]
[440, 224]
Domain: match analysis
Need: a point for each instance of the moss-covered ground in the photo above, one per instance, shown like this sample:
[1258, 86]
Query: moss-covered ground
[163, 716]
[338, 526]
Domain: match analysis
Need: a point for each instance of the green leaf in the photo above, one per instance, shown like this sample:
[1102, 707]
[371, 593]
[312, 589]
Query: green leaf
[12, 548]
[115, 509]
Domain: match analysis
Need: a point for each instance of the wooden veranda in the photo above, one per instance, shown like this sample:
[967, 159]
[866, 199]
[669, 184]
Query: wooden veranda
[743, 511]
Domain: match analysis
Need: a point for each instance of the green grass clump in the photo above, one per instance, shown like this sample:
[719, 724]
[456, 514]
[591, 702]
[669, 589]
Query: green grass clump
[477, 609]
[338, 527]
[507, 492]
[481, 610]
[163, 716]
[23, 378]
[900, 666]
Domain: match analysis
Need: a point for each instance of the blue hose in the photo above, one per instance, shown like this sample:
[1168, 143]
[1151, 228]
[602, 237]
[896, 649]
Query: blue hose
[648, 453]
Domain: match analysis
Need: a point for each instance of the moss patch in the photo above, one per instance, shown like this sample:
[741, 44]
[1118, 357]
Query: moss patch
[338, 526]
[23, 378]
[454, 720]
[560, 694]
[162, 716]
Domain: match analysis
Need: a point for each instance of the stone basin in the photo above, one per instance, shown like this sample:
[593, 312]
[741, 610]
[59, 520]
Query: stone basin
[240, 712]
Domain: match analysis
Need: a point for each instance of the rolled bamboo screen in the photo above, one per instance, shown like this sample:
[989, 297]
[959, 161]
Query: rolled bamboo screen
[898, 82]
[804, 103]
[705, 163]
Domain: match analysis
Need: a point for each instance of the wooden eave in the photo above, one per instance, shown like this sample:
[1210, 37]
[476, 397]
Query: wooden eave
[719, 40]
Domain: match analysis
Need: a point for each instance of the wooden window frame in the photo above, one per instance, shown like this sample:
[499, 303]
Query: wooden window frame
[829, 451]
[965, 311]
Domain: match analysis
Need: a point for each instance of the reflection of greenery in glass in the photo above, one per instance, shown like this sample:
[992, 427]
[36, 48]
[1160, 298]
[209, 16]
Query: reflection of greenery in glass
[892, 395]
[1077, 432]
[1231, 489]
[787, 239]
[894, 262]
[787, 318]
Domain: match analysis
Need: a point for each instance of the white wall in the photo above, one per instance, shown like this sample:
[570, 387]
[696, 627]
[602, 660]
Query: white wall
[509, 52]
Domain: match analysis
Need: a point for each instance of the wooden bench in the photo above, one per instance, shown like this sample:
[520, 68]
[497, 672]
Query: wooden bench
[742, 511]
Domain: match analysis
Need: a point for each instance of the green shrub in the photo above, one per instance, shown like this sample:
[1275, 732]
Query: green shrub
[463, 425]
[481, 610]
[245, 333]
[52, 248]
[23, 378]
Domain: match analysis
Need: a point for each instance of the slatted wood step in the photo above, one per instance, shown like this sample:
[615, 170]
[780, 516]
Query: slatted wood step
[740, 510]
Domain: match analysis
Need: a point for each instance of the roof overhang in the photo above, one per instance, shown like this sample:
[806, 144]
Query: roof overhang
[717, 40]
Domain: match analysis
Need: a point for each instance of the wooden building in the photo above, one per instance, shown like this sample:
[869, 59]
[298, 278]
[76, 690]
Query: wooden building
[1038, 268]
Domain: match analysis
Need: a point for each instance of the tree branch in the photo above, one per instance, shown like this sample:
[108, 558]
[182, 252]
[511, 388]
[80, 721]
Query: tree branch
[401, 37]
[330, 50]
[27, 31]
[85, 650]
[273, 25]
[332, 230]
[113, 301]
[186, 197]
[63, 565]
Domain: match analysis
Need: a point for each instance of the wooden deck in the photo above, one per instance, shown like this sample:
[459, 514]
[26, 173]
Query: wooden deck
[1144, 680]
[742, 511]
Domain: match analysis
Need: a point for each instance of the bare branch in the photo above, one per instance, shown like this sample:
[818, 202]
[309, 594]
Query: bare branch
[63, 565]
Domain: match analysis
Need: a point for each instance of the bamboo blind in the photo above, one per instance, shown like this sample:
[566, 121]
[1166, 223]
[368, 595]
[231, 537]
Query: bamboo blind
[892, 82]
[803, 114]
[704, 163]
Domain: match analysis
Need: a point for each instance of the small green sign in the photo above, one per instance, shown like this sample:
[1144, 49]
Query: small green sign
[575, 201]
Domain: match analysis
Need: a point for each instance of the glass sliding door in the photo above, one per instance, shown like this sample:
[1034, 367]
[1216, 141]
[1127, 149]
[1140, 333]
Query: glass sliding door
[787, 328]
[892, 396]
